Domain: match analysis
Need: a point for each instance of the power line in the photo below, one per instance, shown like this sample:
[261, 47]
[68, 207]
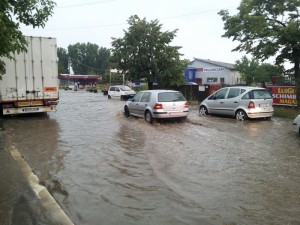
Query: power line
[122, 24]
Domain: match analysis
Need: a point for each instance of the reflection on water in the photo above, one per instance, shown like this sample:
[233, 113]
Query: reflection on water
[104, 168]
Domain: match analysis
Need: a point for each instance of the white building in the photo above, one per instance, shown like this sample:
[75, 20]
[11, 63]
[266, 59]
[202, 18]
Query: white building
[205, 71]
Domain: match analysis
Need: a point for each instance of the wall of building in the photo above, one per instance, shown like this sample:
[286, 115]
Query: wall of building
[209, 73]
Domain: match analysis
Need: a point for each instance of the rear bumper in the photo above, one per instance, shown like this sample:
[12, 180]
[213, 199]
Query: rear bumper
[26, 110]
[260, 114]
[164, 115]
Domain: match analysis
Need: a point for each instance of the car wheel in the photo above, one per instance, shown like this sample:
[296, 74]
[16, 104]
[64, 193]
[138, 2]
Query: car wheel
[126, 111]
[241, 115]
[148, 117]
[203, 111]
[108, 96]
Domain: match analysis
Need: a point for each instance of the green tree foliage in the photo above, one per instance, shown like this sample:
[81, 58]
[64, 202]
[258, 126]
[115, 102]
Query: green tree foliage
[87, 58]
[267, 28]
[83, 58]
[252, 72]
[12, 13]
[145, 52]
[63, 61]
[103, 60]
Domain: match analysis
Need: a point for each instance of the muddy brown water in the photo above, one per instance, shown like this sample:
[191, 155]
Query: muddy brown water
[104, 168]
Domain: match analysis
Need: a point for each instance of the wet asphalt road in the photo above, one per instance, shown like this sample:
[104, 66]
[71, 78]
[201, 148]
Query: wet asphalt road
[103, 168]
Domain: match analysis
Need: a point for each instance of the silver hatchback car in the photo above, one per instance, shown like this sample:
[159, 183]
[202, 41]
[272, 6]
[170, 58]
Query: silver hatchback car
[239, 102]
[157, 104]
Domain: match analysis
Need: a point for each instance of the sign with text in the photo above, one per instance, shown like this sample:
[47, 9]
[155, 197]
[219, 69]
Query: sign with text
[284, 95]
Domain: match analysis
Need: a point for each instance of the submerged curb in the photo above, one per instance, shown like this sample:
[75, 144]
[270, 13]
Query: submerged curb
[56, 214]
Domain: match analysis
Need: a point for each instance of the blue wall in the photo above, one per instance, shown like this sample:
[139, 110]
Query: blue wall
[190, 74]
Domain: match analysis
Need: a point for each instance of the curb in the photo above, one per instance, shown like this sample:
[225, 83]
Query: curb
[56, 214]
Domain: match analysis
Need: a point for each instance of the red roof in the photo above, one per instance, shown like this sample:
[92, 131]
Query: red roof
[85, 77]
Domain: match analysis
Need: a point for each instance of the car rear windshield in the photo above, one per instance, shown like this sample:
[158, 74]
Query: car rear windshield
[170, 97]
[258, 94]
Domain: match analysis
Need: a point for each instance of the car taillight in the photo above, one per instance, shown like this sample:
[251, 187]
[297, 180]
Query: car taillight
[158, 106]
[251, 105]
[186, 105]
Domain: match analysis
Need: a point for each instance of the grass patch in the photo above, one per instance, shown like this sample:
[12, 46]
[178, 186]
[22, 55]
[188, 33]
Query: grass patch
[286, 112]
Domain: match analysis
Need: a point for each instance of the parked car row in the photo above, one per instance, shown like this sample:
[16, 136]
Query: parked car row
[239, 102]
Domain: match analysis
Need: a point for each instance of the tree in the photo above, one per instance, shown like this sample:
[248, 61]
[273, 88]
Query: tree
[63, 61]
[267, 28]
[145, 52]
[103, 60]
[12, 13]
[253, 72]
[83, 58]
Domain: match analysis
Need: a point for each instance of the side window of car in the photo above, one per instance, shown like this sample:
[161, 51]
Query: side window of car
[221, 94]
[233, 92]
[146, 97]
[117, 89]
[112, 88]
[137, 97]
[246, 96]
[212, 97]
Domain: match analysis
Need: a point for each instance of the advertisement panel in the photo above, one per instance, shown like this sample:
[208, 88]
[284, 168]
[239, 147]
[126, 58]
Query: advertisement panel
[284, 95]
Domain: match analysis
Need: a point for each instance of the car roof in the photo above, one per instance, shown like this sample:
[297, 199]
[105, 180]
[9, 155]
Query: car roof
[246, 87]
[158, 91]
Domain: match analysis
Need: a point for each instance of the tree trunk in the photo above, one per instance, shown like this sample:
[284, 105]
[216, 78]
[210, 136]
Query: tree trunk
[150, 85]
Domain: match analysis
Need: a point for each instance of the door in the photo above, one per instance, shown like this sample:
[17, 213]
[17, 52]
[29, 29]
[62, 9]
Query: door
[133, 105]
[216, 102]
[232, 101]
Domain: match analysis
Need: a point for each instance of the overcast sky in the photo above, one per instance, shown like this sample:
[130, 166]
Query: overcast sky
[199, 26]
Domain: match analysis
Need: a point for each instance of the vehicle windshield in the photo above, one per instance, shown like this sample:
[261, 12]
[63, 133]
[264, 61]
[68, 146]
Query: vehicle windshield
[125, 88]
[170, 97]
[258, 94]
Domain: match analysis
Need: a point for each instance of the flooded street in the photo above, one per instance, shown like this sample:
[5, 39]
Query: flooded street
[104, 168]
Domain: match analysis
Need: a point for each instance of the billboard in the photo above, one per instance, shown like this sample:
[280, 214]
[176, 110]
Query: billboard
[284, 95]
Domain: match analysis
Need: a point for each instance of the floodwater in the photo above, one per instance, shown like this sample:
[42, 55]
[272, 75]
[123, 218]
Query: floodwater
[104, 168]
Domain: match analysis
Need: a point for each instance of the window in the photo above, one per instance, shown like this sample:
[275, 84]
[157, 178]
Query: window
[137, 97]
[146, 97]
[257, 94]
[125, 88]
[233, 92]
[212, 79]
[222, 80]
[170, 97]
[261, 94]
[221, 94]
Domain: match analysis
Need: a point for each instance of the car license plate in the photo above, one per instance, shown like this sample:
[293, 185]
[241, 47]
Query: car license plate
[264, 105]
[175, 113]
[31, 109]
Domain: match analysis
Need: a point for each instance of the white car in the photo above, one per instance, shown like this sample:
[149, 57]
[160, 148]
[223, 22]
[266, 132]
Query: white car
[120, 91]
[296, 124]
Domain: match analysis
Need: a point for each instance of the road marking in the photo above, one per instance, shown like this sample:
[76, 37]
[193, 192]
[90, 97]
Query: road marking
[57, 215]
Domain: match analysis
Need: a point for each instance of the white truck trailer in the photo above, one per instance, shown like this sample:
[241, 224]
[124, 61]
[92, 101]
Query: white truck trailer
[30, 84]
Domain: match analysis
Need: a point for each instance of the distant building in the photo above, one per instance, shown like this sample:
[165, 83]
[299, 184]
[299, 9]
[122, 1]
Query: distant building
[205, 71]
[83, 81]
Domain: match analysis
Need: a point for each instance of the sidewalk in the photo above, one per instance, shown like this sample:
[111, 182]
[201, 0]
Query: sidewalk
[17, 200]
[22, 200]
